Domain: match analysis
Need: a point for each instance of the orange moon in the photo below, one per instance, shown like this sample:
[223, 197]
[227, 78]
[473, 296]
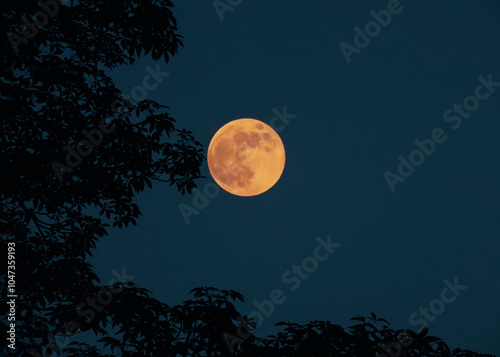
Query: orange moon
[246, 157]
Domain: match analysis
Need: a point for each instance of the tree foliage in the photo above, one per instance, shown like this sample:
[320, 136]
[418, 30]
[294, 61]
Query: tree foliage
[53, 89]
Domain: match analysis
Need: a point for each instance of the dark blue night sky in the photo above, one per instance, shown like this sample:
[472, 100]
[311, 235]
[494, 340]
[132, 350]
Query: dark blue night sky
[424, 252]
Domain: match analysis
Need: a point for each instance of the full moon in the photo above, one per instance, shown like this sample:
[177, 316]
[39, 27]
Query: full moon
[246, 157]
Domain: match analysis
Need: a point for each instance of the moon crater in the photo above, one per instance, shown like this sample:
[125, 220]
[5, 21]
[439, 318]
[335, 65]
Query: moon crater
[246, 157]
